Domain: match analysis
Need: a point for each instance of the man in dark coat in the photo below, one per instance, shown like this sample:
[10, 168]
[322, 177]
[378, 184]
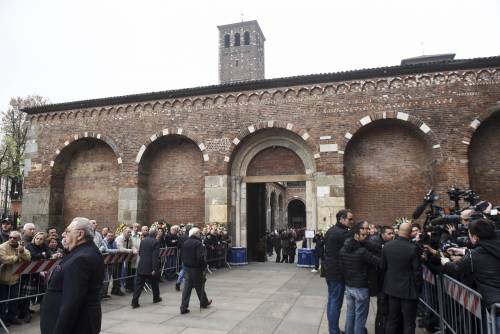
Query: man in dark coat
[72, 303]
[402, 280]
[335, 238]
[148, 268]
[194, 263]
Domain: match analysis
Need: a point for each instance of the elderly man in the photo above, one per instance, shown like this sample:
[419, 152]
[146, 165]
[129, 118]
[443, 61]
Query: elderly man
[28, 233]
[112, 271]
[72, 303]
[126, 244]
[194, 263]
[11, 252]
[148, 268]
[144, 231]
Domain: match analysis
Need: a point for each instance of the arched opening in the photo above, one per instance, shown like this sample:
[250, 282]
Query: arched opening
[171, 182]
[296, 214]
[237, 40]
[484, 160]
[226, 40]
[268, 158]
[84, 183]
[279, 224]
[387, 168]
[246, 38]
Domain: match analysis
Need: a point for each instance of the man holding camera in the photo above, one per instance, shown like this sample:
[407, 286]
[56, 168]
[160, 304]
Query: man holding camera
[482, 262]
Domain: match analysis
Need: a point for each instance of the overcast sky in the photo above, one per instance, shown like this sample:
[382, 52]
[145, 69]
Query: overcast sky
[68, 50]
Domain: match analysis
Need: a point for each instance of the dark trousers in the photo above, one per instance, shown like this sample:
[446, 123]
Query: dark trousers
[284, 254]
[408, 308]
[114, 273]
[8, 310]
[381, 316]
[139, 286]
[278, 254]
[194, 278]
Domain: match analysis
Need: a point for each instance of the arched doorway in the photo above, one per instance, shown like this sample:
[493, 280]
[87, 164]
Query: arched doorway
[267, 156]
[84, 183]
[272, 205]
[484, 160]
[171, 182]
[296, 214]
[388, 166]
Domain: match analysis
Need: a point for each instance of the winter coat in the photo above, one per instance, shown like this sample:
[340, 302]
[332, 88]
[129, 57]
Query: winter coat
[335, 238]
[8, 257]
[356, 262]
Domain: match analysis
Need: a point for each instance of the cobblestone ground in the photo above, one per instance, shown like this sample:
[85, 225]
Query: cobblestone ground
[258, 298]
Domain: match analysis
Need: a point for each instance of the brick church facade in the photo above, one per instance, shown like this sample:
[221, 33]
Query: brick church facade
[374, 140]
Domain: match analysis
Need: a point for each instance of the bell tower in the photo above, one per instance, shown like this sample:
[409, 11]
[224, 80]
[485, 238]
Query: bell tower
[241, 52]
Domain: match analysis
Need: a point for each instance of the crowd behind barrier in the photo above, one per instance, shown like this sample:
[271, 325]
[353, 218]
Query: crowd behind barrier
[24, 275]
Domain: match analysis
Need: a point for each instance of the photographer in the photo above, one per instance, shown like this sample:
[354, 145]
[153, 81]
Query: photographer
[482, 262]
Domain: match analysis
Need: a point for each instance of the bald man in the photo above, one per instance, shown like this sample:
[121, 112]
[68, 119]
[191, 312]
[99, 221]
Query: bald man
[402, 281]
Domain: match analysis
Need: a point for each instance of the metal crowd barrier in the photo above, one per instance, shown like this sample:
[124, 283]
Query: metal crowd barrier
[217, 256]
[31, 286]
[459, 308]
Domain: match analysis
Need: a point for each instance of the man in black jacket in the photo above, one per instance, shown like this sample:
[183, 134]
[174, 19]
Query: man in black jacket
[356, 262]
[194, 263]
[482, 262]
[148, 268]
[72, 303]
[402, 280]
[334, 240]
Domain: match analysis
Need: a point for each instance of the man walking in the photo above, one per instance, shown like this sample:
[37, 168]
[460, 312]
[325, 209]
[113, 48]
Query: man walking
[335, 238]
[72, 303]
[402, 280]
[148, 268]
[194, 263]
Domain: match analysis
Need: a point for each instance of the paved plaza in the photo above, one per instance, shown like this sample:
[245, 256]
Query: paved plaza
[258, 298]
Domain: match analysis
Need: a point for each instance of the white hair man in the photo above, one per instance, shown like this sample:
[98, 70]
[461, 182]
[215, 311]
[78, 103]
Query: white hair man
[97, 235]
[194, 263]
[28, 233]
[72, 303]
[126, 244]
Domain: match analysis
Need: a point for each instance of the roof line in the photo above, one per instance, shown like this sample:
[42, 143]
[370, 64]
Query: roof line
[460, 64]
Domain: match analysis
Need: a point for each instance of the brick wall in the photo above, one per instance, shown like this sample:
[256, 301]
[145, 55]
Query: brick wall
[276, 161]
[90, 184]
[387, 171]
[173, 177]
[440, 106]
[484, 160]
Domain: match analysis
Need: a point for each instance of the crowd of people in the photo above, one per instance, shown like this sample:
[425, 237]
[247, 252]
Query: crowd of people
[25, 243]
[361, 260]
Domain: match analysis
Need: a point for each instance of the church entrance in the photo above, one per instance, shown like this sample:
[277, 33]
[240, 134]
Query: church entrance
[296, 214]
[266, 171]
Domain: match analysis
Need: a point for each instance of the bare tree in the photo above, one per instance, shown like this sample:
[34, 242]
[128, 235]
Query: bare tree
[14, 134]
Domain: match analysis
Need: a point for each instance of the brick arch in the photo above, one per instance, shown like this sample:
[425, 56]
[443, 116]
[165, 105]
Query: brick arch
[173, 131]
[269, 125]
[95, 135]
[476, 122]
[402, 116]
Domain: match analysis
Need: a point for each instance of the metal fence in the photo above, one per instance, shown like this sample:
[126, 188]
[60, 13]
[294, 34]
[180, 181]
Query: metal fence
[217, 256]
[458, 308]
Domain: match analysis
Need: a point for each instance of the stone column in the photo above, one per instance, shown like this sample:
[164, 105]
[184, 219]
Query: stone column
[130, 206]
[330, 196]
[216, 201]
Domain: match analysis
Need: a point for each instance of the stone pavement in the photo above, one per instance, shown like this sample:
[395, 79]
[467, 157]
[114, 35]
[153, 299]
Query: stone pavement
[258, 298]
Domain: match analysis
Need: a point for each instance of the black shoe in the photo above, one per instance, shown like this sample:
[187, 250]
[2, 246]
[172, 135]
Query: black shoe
[106, 297]
[117, 293]
[135, 305]
[27, 319]
[129, 290]
[157, 300]
[185, 311]
[208, 304]
[178, 286]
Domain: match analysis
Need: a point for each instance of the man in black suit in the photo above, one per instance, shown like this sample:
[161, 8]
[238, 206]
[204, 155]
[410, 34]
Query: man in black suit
[72, 303]
[402, 280]
[148, 268]
[194, 263]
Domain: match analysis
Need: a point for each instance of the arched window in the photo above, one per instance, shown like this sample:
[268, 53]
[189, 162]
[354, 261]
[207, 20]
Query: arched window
[226, 40]
[246, 38]
[237, 39]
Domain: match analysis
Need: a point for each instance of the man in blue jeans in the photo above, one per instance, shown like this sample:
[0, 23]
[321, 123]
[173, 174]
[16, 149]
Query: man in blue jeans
[334, 240]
